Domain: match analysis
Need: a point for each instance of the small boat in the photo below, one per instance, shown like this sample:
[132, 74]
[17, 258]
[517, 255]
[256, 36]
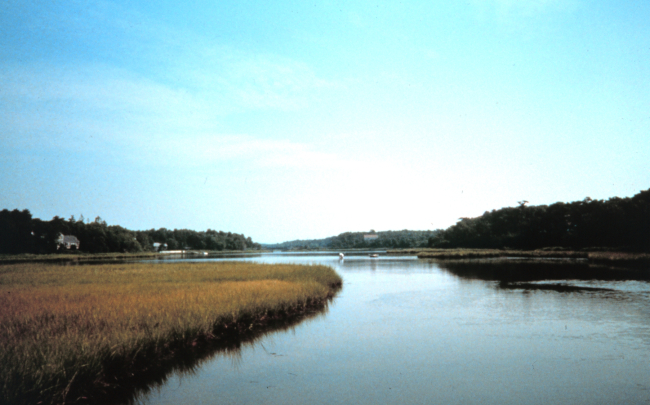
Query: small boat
[374, 255]
[341, 256]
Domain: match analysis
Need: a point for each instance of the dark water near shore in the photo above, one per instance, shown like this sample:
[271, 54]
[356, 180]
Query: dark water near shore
[409, 331]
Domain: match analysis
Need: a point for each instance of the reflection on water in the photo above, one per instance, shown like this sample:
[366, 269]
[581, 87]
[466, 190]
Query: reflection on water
[186, 361]
[555, 275]
[404, 330]
[535, 269]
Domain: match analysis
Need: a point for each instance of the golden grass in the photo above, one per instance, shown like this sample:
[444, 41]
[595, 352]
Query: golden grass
[72, 257]
[62, 327]
[80, 256]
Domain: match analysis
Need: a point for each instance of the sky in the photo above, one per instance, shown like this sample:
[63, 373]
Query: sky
[302, 120]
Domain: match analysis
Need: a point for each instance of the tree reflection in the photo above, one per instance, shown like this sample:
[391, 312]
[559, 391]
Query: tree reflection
[509, 271]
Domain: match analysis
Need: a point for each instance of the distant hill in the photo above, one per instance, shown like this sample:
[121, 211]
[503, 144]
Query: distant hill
[360, 240]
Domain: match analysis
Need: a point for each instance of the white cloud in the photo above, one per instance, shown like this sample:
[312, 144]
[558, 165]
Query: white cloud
[42, 105]
[176, 84]
[94, 88]
[252, 152]
[118, 104]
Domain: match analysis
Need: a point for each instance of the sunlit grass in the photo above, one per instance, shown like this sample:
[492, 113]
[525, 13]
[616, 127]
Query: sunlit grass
[64, 325]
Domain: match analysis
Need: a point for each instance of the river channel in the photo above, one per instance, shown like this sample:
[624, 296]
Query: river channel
[410, 331]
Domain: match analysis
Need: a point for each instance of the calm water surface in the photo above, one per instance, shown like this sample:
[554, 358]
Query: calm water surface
[408, 331]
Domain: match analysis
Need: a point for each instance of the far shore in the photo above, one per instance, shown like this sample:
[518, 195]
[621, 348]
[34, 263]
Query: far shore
[72, 256]
[611, 258]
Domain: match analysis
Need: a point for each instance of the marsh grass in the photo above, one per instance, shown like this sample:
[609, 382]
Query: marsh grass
[490, 253]
[625, 259]
[73, 256]
[620, 259]
[70, 332]
[83, 257]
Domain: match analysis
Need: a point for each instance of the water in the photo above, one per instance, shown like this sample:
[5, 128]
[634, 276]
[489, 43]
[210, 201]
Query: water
[404, 330]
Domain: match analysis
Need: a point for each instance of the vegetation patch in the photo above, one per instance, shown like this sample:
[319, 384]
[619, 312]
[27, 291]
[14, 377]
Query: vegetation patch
[622, 259]
[74, 333]
[488, 253]
[361, 240]
[626, 259]
[74, 257]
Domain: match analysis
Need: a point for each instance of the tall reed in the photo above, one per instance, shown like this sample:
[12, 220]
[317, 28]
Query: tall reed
[67, 330]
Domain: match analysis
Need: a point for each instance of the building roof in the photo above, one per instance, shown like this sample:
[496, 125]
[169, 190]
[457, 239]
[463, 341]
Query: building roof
[70, 239]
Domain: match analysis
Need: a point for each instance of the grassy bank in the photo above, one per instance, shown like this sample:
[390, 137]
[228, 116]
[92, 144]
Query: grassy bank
[623, 259]
[73, 257]
[105, 257]
[640, 260]
[487, 253]
[73, 333]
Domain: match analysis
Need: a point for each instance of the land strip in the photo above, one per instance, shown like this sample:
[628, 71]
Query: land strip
[622, 259]
[107, 257]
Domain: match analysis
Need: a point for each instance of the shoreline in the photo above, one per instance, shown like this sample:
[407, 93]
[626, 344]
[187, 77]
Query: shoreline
[608, 258]
[129, 377]
[105, 333]
[98, 257]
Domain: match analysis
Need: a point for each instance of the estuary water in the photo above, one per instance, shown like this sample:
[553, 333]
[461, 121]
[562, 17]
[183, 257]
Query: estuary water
[410, 331]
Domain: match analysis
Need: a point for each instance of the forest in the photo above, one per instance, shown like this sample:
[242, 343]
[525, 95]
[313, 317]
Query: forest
[20, 233]
[615, 224]
[355, 240]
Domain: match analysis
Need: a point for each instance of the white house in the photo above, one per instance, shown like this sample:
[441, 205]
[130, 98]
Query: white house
[67, 241]
[157, 246]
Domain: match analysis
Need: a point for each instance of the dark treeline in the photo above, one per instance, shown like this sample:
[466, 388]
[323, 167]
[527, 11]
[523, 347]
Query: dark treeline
[385, 239]
[20, 233]
[209, 240]
[618, 223]
[356, 240]
[301, 244]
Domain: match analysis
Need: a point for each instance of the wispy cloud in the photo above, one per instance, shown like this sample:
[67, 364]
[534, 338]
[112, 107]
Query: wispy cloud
[45, 104]
[93, 106]
[252, 152]
[116, 103]
[178, 84]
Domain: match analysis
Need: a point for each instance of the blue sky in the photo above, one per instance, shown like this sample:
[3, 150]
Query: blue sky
[307, 119]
